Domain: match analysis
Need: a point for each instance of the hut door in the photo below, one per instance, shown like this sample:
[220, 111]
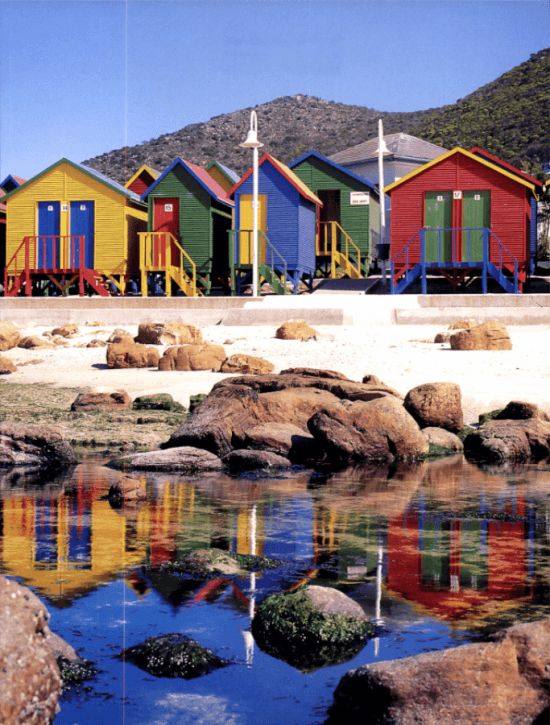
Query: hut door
[166, 218]
[246, 225]
[476, 214]
[438, 214]
[82, 223]
[49, 215]
[329, 212]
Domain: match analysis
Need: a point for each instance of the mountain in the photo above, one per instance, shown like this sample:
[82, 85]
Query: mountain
[509, 117]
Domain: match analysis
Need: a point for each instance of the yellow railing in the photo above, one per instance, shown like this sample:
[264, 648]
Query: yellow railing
[333, 240]
[157, 250]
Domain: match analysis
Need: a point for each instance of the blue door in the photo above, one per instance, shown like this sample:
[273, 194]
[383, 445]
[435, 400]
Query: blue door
[82, 223]
[47, 254]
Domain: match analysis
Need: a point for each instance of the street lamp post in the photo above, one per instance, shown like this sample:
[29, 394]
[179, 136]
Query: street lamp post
[382, 151]
[252, 142]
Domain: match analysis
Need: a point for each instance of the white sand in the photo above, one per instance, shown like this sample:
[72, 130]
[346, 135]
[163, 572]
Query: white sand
[401, 356]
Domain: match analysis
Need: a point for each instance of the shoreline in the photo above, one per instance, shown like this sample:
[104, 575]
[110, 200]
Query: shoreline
[401, 356]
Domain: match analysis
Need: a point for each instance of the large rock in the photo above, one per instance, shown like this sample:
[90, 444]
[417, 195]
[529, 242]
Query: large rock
[284, 439]
[518, 410]
[30, 683]
[221, 421]
[181, 460]
[253, 460]
[33, 447]
[311, 628]
[195, 356]
[173, 655]
[9, 336]
[119, 335]
[129, 489]
[6, 366]
[167, 333]
[295, 330]
[118, 400]
[68, 330]
[362, 431]
[158, 401]
[490, 335]
[503, 682]
[509, 440]
[436, 405]
[33, 342]
[129, 354]
[442, 442]
[246, 365]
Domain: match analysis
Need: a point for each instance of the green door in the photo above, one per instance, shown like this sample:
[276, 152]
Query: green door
[476, 214]
[438, 214]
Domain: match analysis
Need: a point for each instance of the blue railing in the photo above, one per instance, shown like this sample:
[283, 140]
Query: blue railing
[454, 249]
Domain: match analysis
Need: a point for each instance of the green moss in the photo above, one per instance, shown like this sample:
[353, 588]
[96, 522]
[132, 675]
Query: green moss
[289, 627]
[484, 417]
[436, 451]
[208, 563]
[159, 401]
[74, 672]
[465, 432]
[195, 401]
[173, 655]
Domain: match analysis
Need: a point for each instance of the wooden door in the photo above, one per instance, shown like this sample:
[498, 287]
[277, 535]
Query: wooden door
[47, 253]
[246, 225]
[438, 214]
[166, 218]
[83, 224]
[476, 214]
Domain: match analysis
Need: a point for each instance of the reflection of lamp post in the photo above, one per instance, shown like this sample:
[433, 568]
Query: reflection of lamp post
[252, 142]
[247, 635]
[381, 151]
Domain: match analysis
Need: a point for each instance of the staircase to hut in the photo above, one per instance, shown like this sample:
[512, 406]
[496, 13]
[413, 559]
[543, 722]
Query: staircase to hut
[47, 264]
[272, 267]
[337, 255]
[459, 255]
[163, 261]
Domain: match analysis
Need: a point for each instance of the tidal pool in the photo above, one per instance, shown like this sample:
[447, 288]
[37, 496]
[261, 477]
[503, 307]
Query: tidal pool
[438, 554]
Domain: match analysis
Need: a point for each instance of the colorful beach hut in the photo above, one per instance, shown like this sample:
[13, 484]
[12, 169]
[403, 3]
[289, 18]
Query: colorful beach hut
[71, 224]
[226, 177]
[348, 225]
[142, 180]
[460, 216]
[287, 225]
[186, 246]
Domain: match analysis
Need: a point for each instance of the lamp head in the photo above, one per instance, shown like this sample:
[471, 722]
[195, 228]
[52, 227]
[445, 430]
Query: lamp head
[382, 147]
[251, 141]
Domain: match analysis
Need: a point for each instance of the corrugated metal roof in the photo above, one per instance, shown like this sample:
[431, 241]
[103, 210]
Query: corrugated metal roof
[152, 172]
[86, 170]
[470, 155]
[336, 166]
[399, 144]
[231, 175]
[287, 173]
[201, 175]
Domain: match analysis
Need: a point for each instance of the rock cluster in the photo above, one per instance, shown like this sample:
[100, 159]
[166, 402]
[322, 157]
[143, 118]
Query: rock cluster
[490, 335]
[33, 447]
[500, 682]
[167, 333]
[30, 683]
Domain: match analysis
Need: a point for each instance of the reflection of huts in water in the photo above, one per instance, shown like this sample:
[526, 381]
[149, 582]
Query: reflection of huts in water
[348, 226]
[462, 215]
[185, 249]
[70, 225]
[287, 222]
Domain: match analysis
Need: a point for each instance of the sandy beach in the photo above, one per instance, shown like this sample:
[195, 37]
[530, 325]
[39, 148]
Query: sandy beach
[403, 356]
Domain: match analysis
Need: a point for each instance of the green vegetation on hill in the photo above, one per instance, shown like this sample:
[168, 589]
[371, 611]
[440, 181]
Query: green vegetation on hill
[509, 117]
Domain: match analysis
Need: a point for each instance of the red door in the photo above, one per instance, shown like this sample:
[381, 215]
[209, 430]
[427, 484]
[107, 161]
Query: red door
[166, 218]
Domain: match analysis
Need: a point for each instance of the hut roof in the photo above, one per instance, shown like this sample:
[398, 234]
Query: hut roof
[152, 172]
[421, 169]
[200, 175]
[505, 165]
[287, 173]
[92, 173]
[399, 144]
[226, 171]
[336, 166]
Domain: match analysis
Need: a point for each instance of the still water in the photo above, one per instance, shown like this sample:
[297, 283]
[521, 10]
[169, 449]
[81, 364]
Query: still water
[438, 554]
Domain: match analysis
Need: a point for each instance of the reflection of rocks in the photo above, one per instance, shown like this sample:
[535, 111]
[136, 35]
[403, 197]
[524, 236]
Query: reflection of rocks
[33, 447]
[30, 681]
[496, 683]
[311, 628]
[127, 489]
[174, 655]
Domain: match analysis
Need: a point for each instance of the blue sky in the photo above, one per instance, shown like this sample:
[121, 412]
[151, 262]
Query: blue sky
[82, 77]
